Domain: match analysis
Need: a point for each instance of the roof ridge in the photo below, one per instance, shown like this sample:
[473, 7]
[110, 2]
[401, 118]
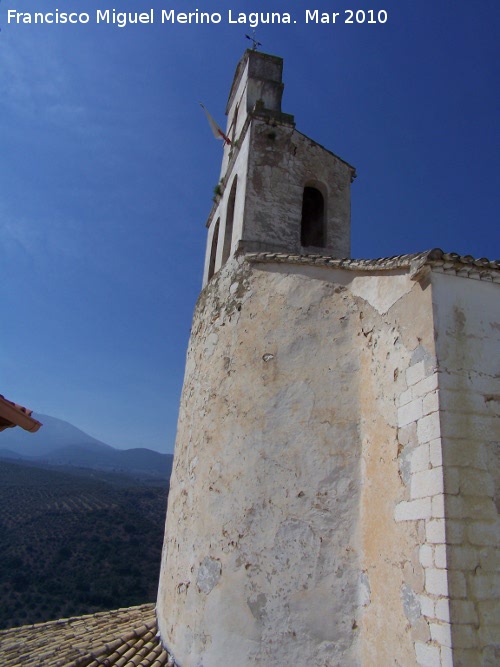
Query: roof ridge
[435, 258]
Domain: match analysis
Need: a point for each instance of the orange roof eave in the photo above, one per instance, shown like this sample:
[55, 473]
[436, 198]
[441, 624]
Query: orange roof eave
[12, 414]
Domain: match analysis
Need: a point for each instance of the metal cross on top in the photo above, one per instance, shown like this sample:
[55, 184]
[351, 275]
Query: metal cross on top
[253, 39]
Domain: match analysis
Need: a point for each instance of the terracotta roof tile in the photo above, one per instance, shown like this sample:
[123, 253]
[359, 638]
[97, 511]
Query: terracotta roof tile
[461, 265]
[119, 638]
[12, 414]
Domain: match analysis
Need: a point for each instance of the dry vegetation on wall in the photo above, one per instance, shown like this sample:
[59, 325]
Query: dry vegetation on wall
[75, 544]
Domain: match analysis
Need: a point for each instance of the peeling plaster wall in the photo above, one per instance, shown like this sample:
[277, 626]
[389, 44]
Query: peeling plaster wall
[398, 355]
[281, 542]
[467, 318]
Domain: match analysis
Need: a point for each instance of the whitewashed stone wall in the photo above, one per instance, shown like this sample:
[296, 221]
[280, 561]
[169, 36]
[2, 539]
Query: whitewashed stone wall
[449, 423]
[261, 557]
[281, 545]
[422, 471]
[257, 80]
[282, 161]
[335, 487]
[273, 163]
[220, 208]
[467, 320]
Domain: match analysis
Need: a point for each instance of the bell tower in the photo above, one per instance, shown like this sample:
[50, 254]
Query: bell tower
[279, 191]
[321, 496]
[253, 571]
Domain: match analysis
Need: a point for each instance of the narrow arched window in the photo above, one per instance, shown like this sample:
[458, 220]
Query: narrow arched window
[235, 122]
[312, 227]
[228, 230]
[213, 250]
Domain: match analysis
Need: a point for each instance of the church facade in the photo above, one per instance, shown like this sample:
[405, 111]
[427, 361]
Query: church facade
[335, 491]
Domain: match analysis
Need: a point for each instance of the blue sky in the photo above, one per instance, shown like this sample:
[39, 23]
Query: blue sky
[108, 167]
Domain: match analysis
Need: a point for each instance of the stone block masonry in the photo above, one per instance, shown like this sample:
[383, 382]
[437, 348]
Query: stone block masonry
[419, 408]
[452, 476]
[470, 422]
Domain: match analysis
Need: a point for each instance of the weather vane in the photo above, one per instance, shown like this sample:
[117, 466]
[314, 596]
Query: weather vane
[254, 41]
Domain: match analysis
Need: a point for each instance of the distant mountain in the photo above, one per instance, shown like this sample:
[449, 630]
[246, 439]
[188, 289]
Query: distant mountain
[60, 443]
[54, 433]
[9, 454]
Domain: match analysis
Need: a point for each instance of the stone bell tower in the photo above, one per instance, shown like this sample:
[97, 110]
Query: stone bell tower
[279, 191]
[241, 544]
[334, 493]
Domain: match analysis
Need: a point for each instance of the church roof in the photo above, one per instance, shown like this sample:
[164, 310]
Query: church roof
[120, 638]
[452, 263]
